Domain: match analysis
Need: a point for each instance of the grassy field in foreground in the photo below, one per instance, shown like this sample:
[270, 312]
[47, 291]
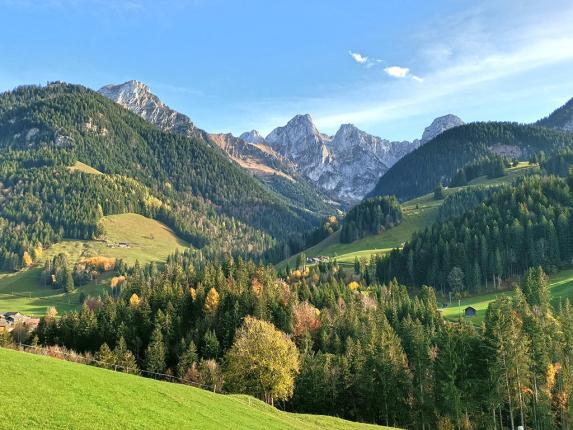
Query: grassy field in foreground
[93, 398]
[148, 240]
[561, 287]
[419, 213]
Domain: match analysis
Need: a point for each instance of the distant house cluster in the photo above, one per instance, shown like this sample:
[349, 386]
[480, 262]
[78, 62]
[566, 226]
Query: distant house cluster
[317, 259]
[8, 320]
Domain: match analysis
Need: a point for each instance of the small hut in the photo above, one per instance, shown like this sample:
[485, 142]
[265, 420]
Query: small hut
[470, 312]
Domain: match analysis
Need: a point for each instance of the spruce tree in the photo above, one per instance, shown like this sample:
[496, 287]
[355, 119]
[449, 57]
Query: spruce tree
[155, 353]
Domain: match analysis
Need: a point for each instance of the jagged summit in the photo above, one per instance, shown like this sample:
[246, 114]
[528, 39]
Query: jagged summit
[439, 125]
[346, 165]
[252, 136]
[138, 98]
[299, 140]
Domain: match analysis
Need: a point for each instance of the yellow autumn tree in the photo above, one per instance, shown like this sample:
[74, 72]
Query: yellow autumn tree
[26, 259]
[117, 280]
[211, 302]
[134, 301]
[37, 251]
[353, 285]
[51, 312]
[263, 362]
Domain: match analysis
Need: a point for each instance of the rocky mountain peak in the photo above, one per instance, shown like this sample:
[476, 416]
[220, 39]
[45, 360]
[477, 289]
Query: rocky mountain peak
[130, 92]
[138, 98]
[439, 125]
[252, 136]
[299, 137]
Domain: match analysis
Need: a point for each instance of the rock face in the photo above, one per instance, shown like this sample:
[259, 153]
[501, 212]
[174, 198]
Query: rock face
[260, 159]
[137, 97]
[300, 142]
[439, 125]
[252, 136]
[348, 164]
[345, 166]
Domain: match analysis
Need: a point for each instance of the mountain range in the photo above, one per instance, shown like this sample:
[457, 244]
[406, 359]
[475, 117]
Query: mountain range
[344, 167]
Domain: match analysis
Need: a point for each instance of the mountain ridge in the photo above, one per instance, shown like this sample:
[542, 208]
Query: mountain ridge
[345, 166]
[256, 158]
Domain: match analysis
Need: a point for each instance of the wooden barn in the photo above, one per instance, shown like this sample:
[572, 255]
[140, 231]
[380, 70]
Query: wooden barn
[470, 312]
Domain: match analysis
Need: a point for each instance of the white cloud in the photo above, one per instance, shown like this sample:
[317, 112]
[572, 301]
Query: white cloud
[449, 81]
[474, 65]
[359, 58]
[397, 71]
[402, 72]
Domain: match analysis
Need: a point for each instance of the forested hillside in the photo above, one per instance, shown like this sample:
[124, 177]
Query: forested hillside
[370, 217]
[440, 159]
[488, 235]
[561, 118]
[183, 182]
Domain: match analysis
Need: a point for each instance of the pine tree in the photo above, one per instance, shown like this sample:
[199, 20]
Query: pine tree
[68, 281]
[211, 346]
[155, 353]
[124, 358]
[186, 359]
[105, 357]
[508, 358]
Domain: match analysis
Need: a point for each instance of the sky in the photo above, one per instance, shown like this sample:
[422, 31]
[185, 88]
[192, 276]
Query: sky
[389, 67]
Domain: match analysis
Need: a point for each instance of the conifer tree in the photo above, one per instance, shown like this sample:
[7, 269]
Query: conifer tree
[105, 357]
[155, 353]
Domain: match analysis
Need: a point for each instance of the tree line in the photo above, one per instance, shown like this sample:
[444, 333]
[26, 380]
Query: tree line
[513, 228]
[372, 216]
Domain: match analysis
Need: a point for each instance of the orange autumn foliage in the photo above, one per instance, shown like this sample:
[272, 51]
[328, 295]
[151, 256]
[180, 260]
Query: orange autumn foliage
[117, 280]
[257, 287]
[353, 285]
[101, 263]
[551, 376]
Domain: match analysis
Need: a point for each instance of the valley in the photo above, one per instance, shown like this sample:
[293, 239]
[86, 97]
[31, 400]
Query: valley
[286, 215]
[419, 213]
[561, 289]
[158, 259]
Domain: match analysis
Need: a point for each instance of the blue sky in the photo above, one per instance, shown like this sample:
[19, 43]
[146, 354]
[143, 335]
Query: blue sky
[389, 67]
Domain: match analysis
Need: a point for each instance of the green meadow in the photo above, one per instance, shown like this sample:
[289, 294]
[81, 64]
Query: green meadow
[94, 398]
[146, 240]
[561, 288]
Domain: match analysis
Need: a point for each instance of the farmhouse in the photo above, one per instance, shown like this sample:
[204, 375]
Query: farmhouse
[9, 319]
[317, 259]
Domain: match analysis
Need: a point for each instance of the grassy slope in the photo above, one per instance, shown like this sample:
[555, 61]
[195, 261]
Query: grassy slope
[418, 214]
[94, 398]
[561, 288]
[148, 240]
[81, 167]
